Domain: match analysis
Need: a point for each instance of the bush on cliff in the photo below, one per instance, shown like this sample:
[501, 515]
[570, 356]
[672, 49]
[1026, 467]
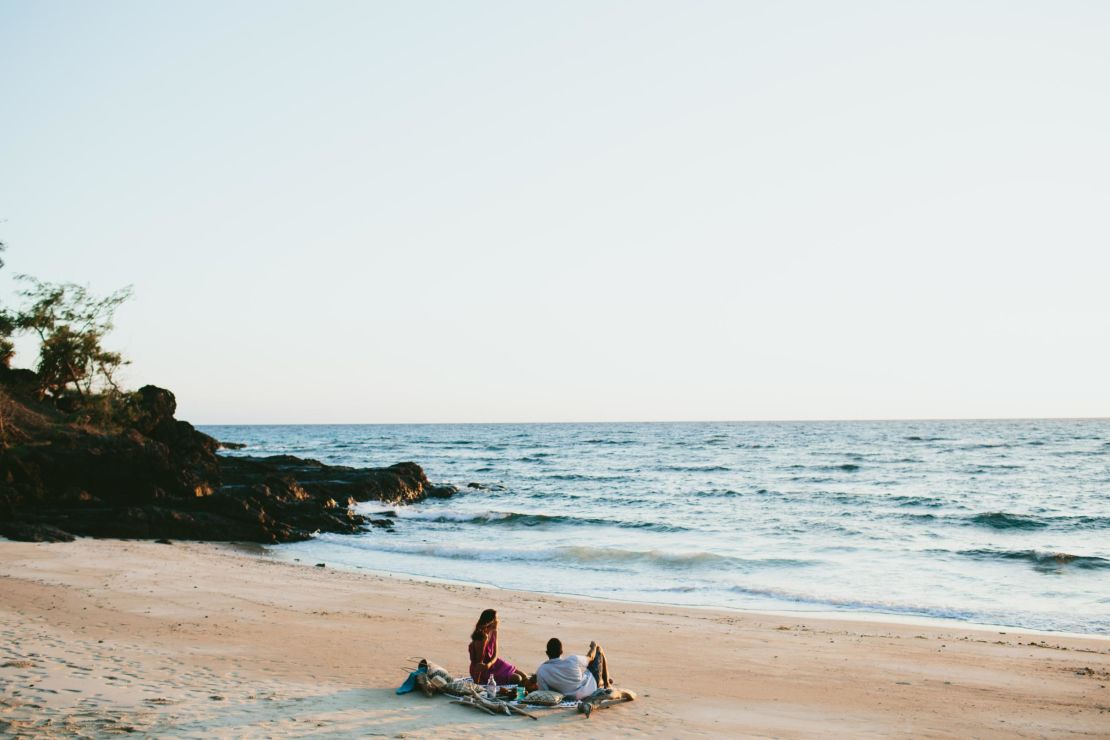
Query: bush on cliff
[73, 368]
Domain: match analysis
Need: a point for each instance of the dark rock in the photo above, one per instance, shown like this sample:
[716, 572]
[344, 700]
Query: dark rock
[159, 478]
[402, 483]
[19, 378]
[442, 491]
[164, 541]
[29, 532]
[477, 486]
[321, 565]
[153, 407]
[67, 404]
[231, 445]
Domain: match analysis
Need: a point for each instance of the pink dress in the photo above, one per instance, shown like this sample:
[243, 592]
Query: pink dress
[502, 670]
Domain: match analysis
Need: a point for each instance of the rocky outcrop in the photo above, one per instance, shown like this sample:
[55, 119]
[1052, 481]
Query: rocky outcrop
[403, 483]
[157, 477]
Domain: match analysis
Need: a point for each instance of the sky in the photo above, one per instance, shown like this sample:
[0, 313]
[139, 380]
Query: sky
[387, 212]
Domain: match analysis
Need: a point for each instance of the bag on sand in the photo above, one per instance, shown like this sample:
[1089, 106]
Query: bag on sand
[431, 678]
[543, 698]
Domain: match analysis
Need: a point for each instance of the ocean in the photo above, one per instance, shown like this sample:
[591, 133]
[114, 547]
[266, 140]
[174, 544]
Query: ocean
[990, 522]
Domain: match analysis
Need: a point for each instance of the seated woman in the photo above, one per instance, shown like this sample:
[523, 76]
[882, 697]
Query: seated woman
[483, 654]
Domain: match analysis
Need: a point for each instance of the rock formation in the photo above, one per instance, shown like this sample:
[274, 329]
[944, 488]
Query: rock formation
[155, 477]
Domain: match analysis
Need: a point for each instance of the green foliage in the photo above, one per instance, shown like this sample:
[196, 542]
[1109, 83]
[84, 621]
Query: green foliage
[7, 346]
[7, 328]
[74, 370]
[71, 323]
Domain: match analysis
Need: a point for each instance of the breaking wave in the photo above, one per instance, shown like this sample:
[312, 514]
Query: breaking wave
[574, 555]
[1041, 560]
[514, 518]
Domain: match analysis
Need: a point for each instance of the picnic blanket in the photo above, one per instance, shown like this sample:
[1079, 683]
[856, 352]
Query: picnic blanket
[565, 704]
[432, 679]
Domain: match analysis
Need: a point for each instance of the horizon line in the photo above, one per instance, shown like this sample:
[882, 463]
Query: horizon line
[674, 421]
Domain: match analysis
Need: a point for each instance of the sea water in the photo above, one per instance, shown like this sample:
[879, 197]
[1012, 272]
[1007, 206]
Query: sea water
[993, 522]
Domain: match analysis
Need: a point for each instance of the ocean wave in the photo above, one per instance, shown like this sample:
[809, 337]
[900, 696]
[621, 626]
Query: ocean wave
[802, 497]
[987, 469]
[601, 558]
[1046, 561]
[844, 467]
[1006, 520]
[1080, 521]
[515, 518]
[875, 607]
[695, 468]
[1003, 520]
[1077, 453]
[838, 498]
[584, 476]
[812, 479]
[714, 492]
[820, 602]
[905, 500]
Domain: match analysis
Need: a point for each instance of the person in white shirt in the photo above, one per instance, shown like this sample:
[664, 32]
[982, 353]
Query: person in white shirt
[573, 675]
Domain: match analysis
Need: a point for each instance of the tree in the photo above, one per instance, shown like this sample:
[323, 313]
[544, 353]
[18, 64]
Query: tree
[7, 328]
[70, 323]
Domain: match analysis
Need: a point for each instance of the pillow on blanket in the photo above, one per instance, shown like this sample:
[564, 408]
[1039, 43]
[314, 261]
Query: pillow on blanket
[545, 698]
[460, 687]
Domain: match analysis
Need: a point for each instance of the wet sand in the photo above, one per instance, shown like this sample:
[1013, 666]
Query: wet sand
[201, 640]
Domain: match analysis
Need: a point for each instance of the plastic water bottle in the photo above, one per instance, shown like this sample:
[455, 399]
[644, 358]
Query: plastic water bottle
[491, 688]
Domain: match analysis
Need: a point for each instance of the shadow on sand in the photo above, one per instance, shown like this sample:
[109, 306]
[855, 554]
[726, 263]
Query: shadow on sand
[353, 713]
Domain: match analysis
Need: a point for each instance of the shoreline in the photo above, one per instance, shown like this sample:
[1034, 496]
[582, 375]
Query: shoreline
[203, 639]
[865, 617]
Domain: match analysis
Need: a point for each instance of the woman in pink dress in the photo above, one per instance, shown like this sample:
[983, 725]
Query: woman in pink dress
[483, 654]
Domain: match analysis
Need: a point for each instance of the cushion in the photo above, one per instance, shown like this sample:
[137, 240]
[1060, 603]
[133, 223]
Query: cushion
[544, 698]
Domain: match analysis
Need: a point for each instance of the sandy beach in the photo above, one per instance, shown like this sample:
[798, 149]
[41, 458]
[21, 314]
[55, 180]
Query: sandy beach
[201, 640]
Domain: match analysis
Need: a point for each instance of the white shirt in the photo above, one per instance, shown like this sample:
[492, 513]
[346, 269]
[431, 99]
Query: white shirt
[568, 675]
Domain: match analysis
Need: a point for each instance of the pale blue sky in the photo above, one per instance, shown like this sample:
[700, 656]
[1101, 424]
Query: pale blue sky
[513, 211]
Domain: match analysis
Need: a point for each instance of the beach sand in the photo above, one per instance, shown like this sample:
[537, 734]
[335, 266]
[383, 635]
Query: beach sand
[203, 640]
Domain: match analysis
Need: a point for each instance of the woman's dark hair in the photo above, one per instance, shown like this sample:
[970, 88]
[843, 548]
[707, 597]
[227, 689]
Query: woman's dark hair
[486, 617]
